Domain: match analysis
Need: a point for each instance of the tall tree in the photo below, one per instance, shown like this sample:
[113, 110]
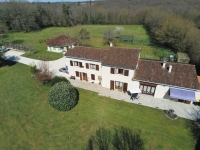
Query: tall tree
[66, 9]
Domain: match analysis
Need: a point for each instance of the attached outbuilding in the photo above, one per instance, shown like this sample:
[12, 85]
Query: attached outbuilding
[61, 43]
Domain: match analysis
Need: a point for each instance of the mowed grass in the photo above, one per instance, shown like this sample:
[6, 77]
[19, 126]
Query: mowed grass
[37, 39]
[28, 121]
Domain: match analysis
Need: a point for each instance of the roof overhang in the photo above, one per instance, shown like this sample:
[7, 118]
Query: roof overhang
[121, 67]
[166, 85]
[83, 59]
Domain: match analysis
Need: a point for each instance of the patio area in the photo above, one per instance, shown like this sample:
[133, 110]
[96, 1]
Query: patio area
[191, 112]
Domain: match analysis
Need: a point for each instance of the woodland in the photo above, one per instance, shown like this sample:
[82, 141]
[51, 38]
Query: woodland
[173, 24]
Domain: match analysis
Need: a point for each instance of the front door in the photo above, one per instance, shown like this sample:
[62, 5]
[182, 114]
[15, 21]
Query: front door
[85, 76]
[125, 85]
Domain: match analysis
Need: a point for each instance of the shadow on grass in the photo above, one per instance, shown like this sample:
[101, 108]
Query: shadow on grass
[6, 63]
[195, 131]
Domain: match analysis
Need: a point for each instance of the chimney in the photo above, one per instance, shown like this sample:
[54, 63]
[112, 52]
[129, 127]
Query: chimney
[164, 63]
[111, 44]
[170, 68]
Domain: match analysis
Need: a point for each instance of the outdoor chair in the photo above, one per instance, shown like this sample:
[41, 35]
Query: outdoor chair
[134, 96]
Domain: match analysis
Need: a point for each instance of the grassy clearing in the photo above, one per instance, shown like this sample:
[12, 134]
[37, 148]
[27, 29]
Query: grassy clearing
[37, 39]
[28, 122]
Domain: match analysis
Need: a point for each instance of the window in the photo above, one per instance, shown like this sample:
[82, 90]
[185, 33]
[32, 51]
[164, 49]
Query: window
[118, 85]
[147, 88]
[92, 76]
[87, 66]
[97, 67]
[71, 63]
[61, 48]
[126, 72]
[112, 70]
[92, 66]
[75, 63]
[77, 74]
[119, 71]
[80, 64]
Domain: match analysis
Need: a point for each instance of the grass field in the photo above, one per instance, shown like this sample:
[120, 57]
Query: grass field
[28, 121]
[37, 39]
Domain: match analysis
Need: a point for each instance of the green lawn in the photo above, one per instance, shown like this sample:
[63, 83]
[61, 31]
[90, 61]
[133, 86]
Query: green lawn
[37, 39]
[28, 121]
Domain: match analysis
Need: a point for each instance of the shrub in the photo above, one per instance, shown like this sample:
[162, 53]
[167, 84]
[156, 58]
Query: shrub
[33, 69]
[63, 96]
[57, 79]
[44, 74]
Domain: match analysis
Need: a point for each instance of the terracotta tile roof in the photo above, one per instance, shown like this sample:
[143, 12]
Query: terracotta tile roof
[119, 57]
[182, 75]
[86, 53]
[122, 57]
[61, 40]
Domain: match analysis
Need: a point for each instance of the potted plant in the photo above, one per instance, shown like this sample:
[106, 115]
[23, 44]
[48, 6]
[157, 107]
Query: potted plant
[100, 79]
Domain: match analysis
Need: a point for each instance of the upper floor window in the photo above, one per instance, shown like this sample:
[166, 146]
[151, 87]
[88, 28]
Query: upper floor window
[92, 66]
[119, 71]
[75, 63]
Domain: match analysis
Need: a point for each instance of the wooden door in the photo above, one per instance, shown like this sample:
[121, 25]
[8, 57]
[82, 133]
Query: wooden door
[111, 85]
[80, 76]
[85, 76]
[125, 85]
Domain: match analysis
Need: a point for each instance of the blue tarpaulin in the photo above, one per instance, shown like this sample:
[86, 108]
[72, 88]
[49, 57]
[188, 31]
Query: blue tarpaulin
[182, 94]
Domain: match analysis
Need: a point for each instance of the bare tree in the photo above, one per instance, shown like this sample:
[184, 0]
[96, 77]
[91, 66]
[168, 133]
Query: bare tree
[44, 74]
[109, 35]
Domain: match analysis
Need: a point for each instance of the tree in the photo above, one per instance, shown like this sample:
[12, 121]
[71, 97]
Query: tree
[63, 96]
[84, 34]
[3, 28]
[66, 9]
[118, 31]
[125, 139]
[44, 74]
[109, 35]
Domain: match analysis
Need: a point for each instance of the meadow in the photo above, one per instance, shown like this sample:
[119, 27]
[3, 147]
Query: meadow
[37, 40]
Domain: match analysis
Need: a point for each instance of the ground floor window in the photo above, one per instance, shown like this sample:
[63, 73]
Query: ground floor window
[121, 86]
[147, 88]
[77, 74]
[61, 48]
[92, 76]
[118, 85]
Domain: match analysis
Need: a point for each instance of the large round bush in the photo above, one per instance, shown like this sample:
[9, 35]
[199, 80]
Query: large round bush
[57, 79]
[63, 96]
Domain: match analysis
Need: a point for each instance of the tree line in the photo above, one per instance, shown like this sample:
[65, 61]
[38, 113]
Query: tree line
[174, 24]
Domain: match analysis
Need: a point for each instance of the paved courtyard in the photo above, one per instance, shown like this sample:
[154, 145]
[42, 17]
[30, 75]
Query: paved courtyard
[191, 112]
